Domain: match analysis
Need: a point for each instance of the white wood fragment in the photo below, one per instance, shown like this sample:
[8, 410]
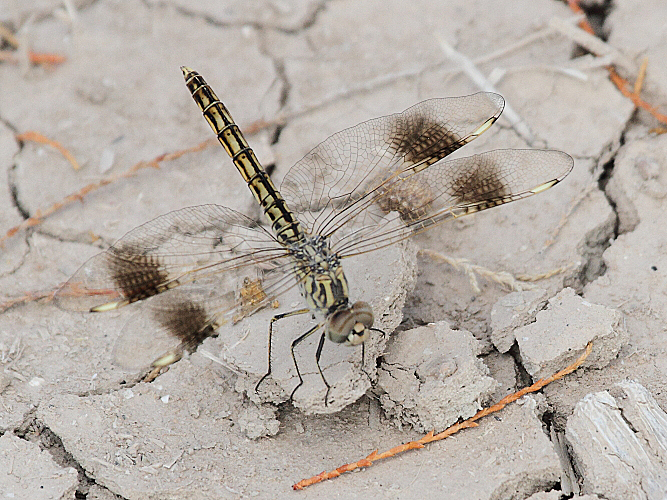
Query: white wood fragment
[618, 443]
[469, 68]
[592, 44]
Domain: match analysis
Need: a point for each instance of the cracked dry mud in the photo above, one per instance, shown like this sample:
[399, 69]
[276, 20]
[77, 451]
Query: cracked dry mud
[74, 425]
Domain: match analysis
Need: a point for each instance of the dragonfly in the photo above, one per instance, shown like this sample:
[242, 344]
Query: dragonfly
[362, 189]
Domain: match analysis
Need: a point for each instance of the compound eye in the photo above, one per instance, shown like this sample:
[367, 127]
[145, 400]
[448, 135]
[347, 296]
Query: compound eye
[363, 313]
[339, 325]
[350, 325]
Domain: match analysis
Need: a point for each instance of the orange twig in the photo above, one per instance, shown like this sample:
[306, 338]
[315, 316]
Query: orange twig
[623, 84]
[33, 57]
[619, 81]
[583, 24]
[40, 215]
[45, 58]
[431, 437]
[37, 137]
[6, 303]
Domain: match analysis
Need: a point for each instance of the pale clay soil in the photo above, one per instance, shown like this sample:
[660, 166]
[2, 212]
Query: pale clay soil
[74, 424]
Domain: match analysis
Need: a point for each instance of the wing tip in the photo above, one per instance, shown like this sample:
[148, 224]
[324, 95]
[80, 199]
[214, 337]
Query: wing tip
[568, 164]
[109, 306]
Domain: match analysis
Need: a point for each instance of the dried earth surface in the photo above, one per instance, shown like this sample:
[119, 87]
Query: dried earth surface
[74, 424]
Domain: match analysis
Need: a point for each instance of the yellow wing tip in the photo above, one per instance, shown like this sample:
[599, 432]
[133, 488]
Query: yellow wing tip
[544, 187]
[186, 71]
[485, 126]
[169, 358]
[109, 306]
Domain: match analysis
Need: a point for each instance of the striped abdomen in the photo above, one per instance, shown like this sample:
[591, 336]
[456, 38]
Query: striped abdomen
[284, 224]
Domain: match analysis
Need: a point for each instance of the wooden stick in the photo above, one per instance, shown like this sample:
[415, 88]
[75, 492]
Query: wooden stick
[41, 139]
[431, 437]
[40, 215]
[620, 82]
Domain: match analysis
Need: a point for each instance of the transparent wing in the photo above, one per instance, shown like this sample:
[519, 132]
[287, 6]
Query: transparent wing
[183, 317]
[197, 268]
[421, 198]
[328, 182]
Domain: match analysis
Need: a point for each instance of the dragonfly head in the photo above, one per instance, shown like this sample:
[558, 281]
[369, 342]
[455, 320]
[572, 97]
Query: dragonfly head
[350, 325]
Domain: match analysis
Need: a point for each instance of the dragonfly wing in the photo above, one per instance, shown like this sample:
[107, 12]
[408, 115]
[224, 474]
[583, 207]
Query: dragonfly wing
[422, 198]
[170, 322]
[177, 248]
[350, 164]
[183, 317]
[195, 269]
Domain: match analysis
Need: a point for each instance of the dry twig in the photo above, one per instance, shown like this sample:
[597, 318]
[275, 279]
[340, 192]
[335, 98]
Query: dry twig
[620, 82]
[40, 215]
[31, 136]
[623, 84]
[469, 68]
[591, 43]
[431, 436]
[33, 57]
[503, 278]
[7, 302]
[472, 270]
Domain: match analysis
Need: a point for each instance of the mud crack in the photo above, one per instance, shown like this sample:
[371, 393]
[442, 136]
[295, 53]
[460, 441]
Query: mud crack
[32, 430]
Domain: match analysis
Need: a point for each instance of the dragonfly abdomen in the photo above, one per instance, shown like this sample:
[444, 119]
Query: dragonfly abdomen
[285, 225]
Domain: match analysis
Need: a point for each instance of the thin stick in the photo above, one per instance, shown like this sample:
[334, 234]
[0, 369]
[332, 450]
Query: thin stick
[33, 57]
[7, 302]
[41, 139]
[431, 437]
[518, 124]
[546, 275]
[616, 79]
[639, 82]
[623, 84]
[583, 24]
[471, 270]
[40, 215]
[591, 43]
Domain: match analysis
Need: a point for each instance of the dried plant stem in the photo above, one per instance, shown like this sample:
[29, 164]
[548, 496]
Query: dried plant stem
[33, 57]
[6, 303]
[546, 275]
[591, 43]
[40, 215]
[431, 436]
[621, 83]
[469, 68]
[31, 136]
[504, 278]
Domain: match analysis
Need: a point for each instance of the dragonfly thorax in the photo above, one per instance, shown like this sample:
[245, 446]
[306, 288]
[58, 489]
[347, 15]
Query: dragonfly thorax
[324, 286]
[320, 275]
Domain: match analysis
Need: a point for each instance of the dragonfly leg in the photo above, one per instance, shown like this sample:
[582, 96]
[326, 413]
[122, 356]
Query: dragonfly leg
[273, 320]
[318, 353]
[296, 342]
